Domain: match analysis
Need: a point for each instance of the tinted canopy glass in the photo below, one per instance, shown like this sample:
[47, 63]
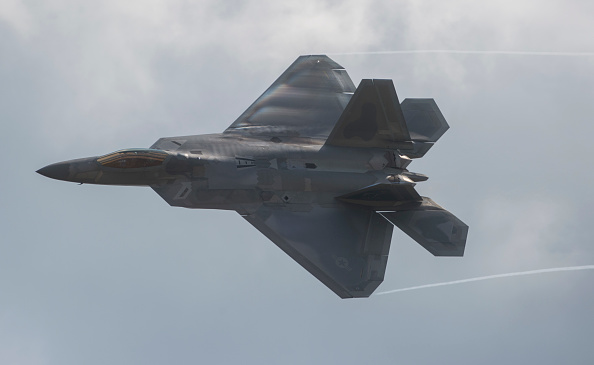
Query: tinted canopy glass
[131, 159]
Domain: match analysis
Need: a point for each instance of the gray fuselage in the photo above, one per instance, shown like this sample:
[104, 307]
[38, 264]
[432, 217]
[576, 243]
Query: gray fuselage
[222, 171]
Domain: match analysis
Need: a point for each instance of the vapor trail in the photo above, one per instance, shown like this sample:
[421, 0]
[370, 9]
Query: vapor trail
[513, 53]
[531, 272]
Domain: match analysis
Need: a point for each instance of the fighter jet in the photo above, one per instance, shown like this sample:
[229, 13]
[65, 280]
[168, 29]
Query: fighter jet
[318, 166]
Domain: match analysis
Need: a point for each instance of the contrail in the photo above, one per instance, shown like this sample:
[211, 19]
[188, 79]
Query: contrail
[512, 53]
[531, 272]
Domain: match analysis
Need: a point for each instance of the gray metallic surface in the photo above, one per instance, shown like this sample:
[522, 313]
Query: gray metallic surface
[372, 118]
[345, 247]
[424, 119]
[320, 171]
[306, 100]
[433, 227]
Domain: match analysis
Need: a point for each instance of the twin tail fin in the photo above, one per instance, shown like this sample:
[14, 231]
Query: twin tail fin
[374, 118]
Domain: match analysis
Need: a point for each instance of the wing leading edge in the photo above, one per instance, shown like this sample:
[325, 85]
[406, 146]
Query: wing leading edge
[344, 247]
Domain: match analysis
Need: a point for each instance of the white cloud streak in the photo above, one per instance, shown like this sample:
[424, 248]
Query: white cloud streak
[451, 51]
[481, 278]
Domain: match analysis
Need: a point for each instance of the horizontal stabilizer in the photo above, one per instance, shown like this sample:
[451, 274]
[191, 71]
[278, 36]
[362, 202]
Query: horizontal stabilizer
[433, 227]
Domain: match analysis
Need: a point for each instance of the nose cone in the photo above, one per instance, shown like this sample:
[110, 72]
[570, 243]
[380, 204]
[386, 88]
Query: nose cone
[58, 171]
[83, 170]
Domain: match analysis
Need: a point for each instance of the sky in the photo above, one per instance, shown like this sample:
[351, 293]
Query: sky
[102, 274]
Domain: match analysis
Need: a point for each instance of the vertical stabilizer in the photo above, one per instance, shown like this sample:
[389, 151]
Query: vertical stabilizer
[372, 119]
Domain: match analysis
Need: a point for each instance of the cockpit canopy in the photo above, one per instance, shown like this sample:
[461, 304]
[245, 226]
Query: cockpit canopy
[133, 158]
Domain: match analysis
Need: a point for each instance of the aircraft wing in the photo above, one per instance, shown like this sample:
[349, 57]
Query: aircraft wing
[306, 101]
[345, 247]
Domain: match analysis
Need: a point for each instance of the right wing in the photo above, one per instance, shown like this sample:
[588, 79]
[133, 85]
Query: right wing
[345, 247]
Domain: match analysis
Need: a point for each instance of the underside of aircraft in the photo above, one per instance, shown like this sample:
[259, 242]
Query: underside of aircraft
[317, 165]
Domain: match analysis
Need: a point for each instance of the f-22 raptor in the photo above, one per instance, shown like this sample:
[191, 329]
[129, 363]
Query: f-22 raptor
[315, 164]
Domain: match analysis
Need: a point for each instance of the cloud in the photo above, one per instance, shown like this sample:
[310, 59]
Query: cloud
[17, 16]
[105, 58]
[523, 232]
[95, 267]
[21, 341]
[502, 25]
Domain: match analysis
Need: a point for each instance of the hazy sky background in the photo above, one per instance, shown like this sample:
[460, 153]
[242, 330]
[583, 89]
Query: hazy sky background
[113, 275]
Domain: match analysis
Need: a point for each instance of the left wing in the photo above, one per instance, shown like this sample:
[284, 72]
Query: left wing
[345, 247]
[306, 100]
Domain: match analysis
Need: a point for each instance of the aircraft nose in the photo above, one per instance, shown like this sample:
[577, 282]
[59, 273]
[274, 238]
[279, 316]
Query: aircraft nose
[58, 171]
